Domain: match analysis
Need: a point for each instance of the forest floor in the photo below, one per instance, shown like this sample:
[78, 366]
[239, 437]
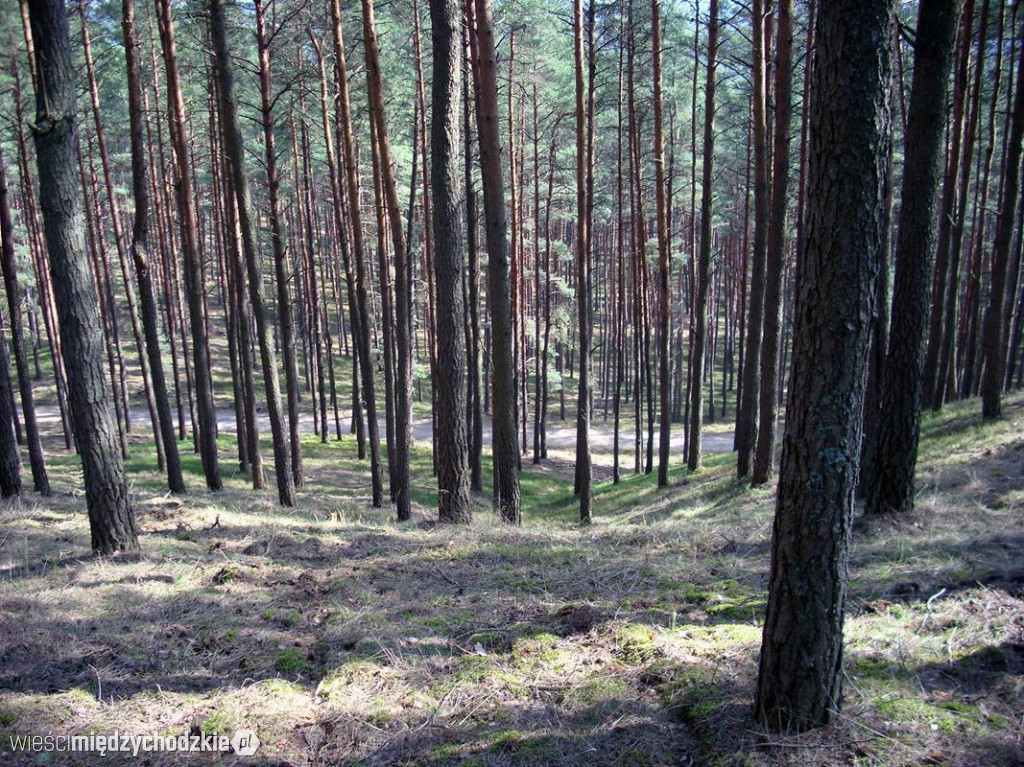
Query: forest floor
[342, 637]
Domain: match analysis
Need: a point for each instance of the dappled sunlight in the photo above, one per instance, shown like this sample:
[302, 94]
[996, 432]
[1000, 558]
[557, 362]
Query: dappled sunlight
[343, 636]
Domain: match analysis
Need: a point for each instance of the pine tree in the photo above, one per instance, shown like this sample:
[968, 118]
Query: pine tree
[703, 276]
[243, 200]
[506, 447]
[140, 252]
[111, 521]
[452, 441]
[800, 675]
[892, 487]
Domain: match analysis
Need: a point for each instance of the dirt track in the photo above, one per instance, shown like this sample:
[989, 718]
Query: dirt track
[561, 435]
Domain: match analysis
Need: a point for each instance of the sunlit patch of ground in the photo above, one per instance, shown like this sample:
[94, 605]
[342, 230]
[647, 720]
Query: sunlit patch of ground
[342, 637]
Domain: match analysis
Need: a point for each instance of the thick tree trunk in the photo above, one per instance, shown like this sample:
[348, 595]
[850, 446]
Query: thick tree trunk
[111, 520]
[800, 677]
[879, 339]
[452, 445]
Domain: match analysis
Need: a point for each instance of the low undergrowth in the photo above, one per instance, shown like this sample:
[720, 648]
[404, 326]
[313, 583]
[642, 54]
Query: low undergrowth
[342, 637]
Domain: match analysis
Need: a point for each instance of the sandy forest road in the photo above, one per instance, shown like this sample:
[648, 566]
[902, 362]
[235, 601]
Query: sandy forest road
[561, 435]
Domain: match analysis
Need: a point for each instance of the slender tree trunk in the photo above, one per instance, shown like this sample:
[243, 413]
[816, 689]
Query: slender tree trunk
[748, 422]
[229, 308]
[775, 266]
[641, 335]
[947, 275]
[506, 448]
[403, 295]
[163, 234]
[172, 273]
[207, 416]
[1011, 326]
[316, 326]
[966, 339]
[236, 154]
[993, 345]
[428, 245]
[40, 480]
[620, 259]
[236, 269]
[387, 312]
[704, 259]
[692, 261]
[473, 280]
[547, 292]
[365, 362]
[140, 253]
[892, 487]
[10, 458]
[98, 253]
[583, 467]
[946, 380]
[355, 299]
[664, 256]
[36, 247]
[281, 271]
[122, 252]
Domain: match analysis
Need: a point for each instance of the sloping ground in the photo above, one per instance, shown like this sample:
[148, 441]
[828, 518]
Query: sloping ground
[342, 637]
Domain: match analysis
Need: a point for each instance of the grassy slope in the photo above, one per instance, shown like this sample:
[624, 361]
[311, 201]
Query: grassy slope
[344, 638]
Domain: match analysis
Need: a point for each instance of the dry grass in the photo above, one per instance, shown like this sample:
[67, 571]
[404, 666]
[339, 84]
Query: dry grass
[345, 638]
